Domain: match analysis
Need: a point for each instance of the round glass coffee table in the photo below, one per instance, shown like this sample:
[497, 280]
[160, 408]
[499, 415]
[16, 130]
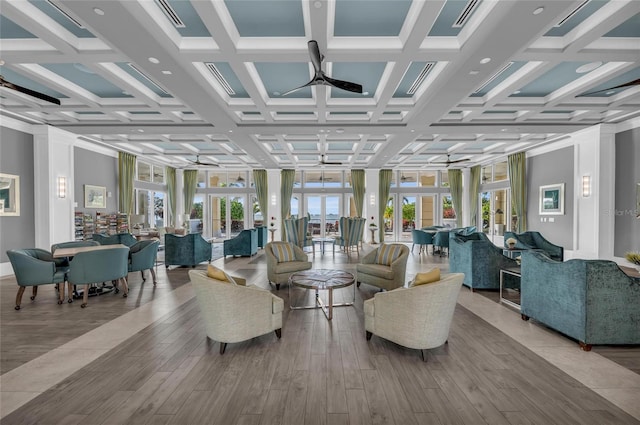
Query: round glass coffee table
[322, 279]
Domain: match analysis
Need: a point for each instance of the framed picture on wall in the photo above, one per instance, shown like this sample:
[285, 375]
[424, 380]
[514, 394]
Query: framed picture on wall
[9, 195]
[95, 196]
[552, 199]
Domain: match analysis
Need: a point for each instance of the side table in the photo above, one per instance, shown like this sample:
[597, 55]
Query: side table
[273, 232]
[510, 281]
[373, 234]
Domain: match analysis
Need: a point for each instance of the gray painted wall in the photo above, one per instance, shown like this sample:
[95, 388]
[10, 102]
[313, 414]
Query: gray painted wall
[16, 157]
[551, 168]
[97, 170]
[627, 226]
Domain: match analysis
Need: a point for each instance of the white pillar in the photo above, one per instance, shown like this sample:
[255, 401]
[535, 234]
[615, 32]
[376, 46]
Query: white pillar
[371, 201]
[273, 181]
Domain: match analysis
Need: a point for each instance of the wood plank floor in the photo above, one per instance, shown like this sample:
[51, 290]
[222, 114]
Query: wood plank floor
[320, 372]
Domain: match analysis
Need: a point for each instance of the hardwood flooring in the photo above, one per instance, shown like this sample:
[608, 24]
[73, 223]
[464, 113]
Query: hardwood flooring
[320, 372]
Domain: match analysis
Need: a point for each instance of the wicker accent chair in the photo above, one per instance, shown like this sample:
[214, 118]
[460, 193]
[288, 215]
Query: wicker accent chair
[278, 272]
[233, 312]
[373, 271]
[351, 230]
[417, 317]
[35, 267]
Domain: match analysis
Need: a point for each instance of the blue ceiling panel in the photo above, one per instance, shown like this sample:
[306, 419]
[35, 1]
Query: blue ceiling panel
[267, 18]
[194, 27]
[409, 77]
[169, 146]
[443, 26]
[94, 83]
[551, 81]
[19, 80]
[585, 12]
[143, 79]
[279, 77]
[367, 74]
[365, 18]
[515, 66]
[632, 75]
[64, 20]
[630, 28]
[9, 29]
[232, 79]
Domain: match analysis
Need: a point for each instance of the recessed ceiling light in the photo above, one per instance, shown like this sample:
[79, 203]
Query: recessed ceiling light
[317, 4]
[503, 129]
[339, 130]
[538, 10]
[167, 72]
[588, 67]
[140, 130]
[276, 93]
[474, 72]
[610, 92]
[412, 130]
[517, 92]
[230, 131]
[154, 60]
[485, 60]
[365, 93]
[98, 11]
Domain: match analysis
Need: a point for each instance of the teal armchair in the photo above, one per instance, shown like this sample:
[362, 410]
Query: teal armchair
[296, 232]
[35, 267]
[187, 250]
[121, 238]
[441, 242]
[534, 240]
[592, 301]
[479, 259]
[351, 230]
[262, 236]
[92, 267]
[142, 256]
[421, 238]
[64, 262]
[245, 244]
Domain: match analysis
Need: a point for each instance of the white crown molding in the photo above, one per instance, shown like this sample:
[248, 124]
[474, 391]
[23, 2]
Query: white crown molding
[628, 125]
[15, 124]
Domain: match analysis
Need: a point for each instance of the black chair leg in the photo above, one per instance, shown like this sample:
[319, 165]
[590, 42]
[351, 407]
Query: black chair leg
[423, 355]
[369, 335]
[223, 346]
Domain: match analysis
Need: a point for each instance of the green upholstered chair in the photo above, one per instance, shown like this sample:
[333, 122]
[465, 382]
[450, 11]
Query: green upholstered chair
[383, 271]
[296, 231]
[592, 301]
[422, 238]
[91, 267]
[64, 262]
[35, 267]
[479, 259]
[441, 242]
[351, 231]
[142, 256]
[262, 236]
[278, 270]
[534, 240]
[244, 244]
[121, 238]
[187, 250]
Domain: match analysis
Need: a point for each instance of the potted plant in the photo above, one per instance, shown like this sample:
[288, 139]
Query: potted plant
[633, 257]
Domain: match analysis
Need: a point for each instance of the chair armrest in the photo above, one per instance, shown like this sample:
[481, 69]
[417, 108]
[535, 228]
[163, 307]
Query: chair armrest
[370, 258]
[299, 253]
[239, 280]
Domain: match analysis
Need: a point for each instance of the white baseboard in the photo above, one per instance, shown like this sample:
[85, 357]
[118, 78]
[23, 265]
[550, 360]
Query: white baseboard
[6, 269]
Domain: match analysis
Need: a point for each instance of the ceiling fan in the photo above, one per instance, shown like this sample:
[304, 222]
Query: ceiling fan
[198, 162]
[627, 84]
[323, 162]
[33, 93]
[449, 161]
[320, 78]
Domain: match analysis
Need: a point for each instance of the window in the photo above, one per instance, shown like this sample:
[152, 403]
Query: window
[486, 175]
[258, 217]
[427, 179]
[217, 179]
[144, 172]
[158, 174]
[238, 180]
[500, 171]
[158, 209]
[448, 213]
[444, 179]
[202, 179]
[408, 179]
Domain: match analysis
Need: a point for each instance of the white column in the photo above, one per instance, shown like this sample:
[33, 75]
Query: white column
[371, 201]
[273, 181]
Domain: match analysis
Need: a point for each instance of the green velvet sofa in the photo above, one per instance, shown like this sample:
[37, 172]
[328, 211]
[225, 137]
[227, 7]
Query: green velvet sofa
[187, 250]
[534, 240]
[592, 301]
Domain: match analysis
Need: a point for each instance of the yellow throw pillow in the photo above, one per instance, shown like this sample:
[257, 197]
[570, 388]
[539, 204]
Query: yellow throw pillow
[215, 273]
[431, 276]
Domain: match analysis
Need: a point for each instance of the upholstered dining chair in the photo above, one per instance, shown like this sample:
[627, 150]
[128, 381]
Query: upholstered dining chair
[142, 256]
[91, 267]
[283, 259]
[35, 267]
[385, 267]
[64, 262]
[421, 238]
[417, 317]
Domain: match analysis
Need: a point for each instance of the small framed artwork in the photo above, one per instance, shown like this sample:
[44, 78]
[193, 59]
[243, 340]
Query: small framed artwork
[552, 199]
[9, 195]
[95, 196]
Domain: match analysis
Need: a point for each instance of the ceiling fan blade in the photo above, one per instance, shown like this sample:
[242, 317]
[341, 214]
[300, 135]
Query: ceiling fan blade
[37, 95]
[310, 83]
[323, 162]
[316, 57]
[628, 84]
[457, 160]
[344, 85]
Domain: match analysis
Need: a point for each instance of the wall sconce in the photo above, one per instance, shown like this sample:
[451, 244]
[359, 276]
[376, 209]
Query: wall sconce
[586, 186]
[62, 187]
[372, 199]
[273, 199]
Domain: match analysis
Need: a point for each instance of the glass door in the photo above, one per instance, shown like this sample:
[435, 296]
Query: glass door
[227, 215]
[427, 211]
[324, 212]
[495, 214]
[408, 217]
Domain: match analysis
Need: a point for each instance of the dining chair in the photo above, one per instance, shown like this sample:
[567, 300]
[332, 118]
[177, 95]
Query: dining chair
[35, 267]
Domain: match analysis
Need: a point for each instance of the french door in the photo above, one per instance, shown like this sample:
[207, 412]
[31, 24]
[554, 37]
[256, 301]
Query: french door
[324, 211]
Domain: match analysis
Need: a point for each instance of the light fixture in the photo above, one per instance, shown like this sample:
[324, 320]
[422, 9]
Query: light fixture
[586, 186]
[485, 60]
[273, 199]
[474, 72]
[167, 72]
[154, 60]
[98, 11]
[372, 199]
[62, 187]
[403, 178]
[538, 10]
[588, 67]
[240, 179]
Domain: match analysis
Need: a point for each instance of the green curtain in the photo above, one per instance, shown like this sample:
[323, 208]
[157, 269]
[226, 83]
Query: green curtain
[287, 177]
[383, 197]
[474, 187]
[518, 182]
[126, 173]
[262, 193]
[190, 183]
[455, 185]
[170, 174]
[357, 184]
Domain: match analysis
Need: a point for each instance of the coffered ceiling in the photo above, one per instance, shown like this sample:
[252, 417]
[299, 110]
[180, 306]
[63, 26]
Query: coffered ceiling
[172, 79]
